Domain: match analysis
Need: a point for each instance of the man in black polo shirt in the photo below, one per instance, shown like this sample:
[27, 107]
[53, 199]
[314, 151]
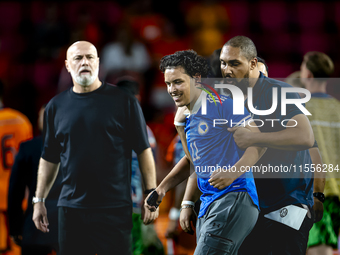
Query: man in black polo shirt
[286, 196]
[90, 131]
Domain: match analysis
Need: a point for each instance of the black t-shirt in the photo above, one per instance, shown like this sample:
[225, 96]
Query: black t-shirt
[92, 135]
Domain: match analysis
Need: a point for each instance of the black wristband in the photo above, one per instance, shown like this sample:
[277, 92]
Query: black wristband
[148, 191]
[319, 196]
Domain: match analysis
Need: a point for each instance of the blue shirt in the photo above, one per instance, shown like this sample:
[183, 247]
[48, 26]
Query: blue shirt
[280, 189]
[212, 147]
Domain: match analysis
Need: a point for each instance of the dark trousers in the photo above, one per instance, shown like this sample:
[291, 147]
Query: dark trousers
[272, 238]
[36, 250]
[95, 231]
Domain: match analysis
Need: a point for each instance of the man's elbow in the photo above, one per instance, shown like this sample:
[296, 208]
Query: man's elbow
[307, 140]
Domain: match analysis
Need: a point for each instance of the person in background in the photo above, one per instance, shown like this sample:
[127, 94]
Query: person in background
[23, 176]
[138, 247]
[15, 129]
[316, 68]
[262, 66]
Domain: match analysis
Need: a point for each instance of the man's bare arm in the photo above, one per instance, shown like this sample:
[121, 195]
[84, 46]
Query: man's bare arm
[179, 173]
[188, 215]
[319, 182]
[192, 192]
[147, 168]
[252, 154]
[319, 176]
[296, 138]
[181, 133]
[47, 174]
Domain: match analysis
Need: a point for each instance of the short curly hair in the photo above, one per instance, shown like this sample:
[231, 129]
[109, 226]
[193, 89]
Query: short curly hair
[191, 62]
[246, 45]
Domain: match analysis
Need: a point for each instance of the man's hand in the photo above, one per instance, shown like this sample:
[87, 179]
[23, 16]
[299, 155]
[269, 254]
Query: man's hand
[187, 220]
[220, 180]
[40, 217]
[180, 117]
[241, 136]
[150, 213]
[160, 193]
[318, 209]
[147, 216]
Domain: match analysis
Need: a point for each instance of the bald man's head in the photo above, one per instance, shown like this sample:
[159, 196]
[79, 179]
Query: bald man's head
[80, 44]
[82, 63]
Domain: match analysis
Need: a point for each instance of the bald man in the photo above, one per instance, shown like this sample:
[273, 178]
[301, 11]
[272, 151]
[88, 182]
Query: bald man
[91, 141]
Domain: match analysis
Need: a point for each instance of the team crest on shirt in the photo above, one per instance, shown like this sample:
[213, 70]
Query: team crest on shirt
[203, 128]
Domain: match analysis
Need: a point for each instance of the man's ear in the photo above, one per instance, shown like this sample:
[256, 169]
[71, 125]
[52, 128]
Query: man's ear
[253, 63]
[309, 74]
[198, 79]
[67, 67]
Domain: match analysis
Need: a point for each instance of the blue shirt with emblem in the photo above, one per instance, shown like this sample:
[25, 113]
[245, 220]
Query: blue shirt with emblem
[212, 147]
[280, 189]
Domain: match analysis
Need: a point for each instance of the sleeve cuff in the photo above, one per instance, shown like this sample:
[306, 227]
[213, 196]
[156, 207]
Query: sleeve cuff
[182, 124]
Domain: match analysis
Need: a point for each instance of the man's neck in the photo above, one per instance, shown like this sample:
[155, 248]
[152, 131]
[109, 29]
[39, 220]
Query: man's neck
[86, 89]
[252, 81]
[193, 102]
[253, 77]
[318, 88]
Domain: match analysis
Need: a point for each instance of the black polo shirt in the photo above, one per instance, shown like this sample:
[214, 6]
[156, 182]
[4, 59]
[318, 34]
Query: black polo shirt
[280, 188]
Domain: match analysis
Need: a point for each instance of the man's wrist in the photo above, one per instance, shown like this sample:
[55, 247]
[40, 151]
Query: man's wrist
[148, 191]
[188, 202]
[161, 190]
[36, 200]
[252, 138]
[320, 196]
[190, 207]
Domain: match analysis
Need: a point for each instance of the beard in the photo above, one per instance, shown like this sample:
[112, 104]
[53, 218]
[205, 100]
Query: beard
[85, 80]
[243, 84]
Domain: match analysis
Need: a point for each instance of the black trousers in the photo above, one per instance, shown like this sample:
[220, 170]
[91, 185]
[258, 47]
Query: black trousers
[272, 238]
[94, 231]
[36, 250]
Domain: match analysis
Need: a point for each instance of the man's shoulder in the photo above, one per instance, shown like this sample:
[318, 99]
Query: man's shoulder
[58, 98]
[269, 83]
[113, 90]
